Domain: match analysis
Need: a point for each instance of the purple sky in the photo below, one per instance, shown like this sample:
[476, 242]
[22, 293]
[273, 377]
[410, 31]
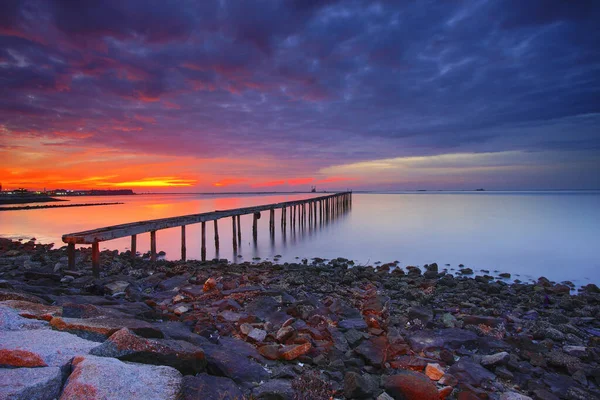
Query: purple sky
[248, 95]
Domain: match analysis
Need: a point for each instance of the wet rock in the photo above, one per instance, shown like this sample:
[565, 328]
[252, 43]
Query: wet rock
[292, 352]
[468, 371]
[353, 323]
[109, 378]
[30, 383]
[410, 386]
[99, 329]
[358, 386]
[41, 347]
[434, 371]
[224, 362]
[204, 386]
[116, 287]
[127, 346]
[432, 339]
[274, 389]
[495, 359]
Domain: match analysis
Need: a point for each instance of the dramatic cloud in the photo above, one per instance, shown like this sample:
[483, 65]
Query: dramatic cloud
[234, 95]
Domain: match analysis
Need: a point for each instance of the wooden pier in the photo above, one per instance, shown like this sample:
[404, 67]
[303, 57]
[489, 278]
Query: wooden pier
[314, 209]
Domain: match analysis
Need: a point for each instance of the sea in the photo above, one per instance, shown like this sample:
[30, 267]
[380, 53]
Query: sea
[529, 234]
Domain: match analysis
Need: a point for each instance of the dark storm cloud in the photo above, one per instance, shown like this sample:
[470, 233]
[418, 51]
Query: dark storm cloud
[328, 81]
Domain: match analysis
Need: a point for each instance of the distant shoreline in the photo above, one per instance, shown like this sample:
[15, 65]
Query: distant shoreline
[21, 208]
[16, 199]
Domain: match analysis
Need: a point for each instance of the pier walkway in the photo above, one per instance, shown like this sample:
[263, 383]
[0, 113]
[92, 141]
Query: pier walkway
[313, 209]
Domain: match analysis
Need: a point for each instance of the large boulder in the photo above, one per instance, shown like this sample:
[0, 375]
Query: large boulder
[108, 378]
[41, 347]
[127, 346]
[409, 385]
[31, 310]
[10, 320]
[30, 383]
[275, 389]
[244, 371]
[204, 386]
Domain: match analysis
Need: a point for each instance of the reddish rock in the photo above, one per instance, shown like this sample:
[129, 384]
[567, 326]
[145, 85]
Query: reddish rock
[284, 333]
[20, 358]
[413, 363]
[434, 372]
[373, 350]
[270, 351]
[99, 329]
[294, 351]
[445, 392]
[411, 386]
[8, 294]
[209, 285]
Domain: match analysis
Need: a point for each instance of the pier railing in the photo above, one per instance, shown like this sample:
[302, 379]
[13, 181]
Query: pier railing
[313, 209]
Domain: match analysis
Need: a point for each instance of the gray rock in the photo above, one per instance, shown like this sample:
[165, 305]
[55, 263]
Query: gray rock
[224, 362]
[116, 287]
[352, 323]
[451, 337]
[514, 396]
[425, 314]
[354, 337]
[360, 386]
[109, 378]
[257, 335]
[204, 386]
[275, 389]
[575, 351]
[495, 359]
[10, 320]
[30, 383]
[470, 372]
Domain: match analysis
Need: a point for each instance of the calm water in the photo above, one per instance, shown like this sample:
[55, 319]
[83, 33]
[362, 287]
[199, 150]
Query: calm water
[529, 234]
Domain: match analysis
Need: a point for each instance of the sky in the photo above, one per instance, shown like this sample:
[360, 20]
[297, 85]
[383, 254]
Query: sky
[185, 96]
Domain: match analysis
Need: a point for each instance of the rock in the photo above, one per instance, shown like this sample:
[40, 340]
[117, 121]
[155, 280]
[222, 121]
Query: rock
[9, 294]
[514, 396]
[451, 337]
[449, 320]
[360, 386]
[257, 335]
[294, 351]
[284, 333]
[434, 372]
[224, 362]
[409, 385]
[352, 323]
[422, 313]
[505, 275]
[127, 346]
[554, 334]
[99, 329]
[204, 386]
[30, 310]
[373, 350]
[495, 359]
[354, 337]
[270, 351]
[470, 372]
[41, 347]
[384, 396]
[575, 351]
[30, 383]
[116, 287]
[209, 285]
[10, 320]
[181, 310]
[109, 378]
[274, 389]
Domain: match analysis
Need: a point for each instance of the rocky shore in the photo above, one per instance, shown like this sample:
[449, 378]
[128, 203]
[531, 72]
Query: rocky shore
[316, 330]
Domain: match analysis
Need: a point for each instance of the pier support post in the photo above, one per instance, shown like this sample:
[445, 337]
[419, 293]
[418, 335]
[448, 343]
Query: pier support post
[234, 233]
[272, 220]
[216, 235]
[203, 248]
[96, 259]
[183, 250]
[133, 247]
[152, 245]
[239, 224]
[71, 255]
[255, 218]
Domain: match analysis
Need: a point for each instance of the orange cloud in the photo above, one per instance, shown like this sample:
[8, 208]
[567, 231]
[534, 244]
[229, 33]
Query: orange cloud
[228, 182]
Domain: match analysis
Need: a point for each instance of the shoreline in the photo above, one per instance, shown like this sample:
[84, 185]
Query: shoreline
[310, 331]
[21, 208]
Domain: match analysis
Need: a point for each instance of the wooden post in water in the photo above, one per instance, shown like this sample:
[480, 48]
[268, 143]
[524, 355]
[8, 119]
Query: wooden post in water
[133, 247]
[272, 220]
[239, 224]
[203, 248]
[71, 255]
[216, 235]
[183, 250]
[255, 217]
[234, 233]
[152, 245]
[96, 259]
